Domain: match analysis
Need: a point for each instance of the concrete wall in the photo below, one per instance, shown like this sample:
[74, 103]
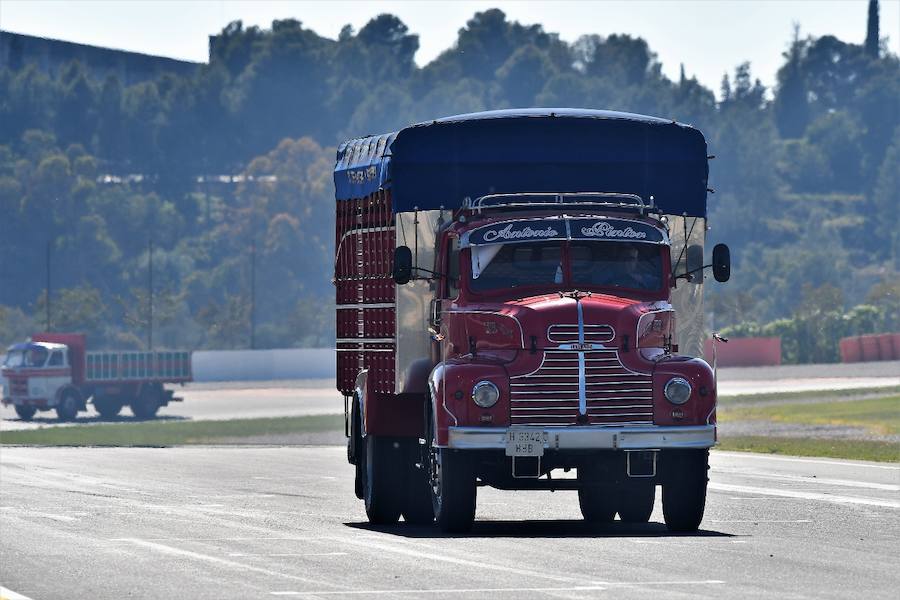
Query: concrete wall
[262, 365]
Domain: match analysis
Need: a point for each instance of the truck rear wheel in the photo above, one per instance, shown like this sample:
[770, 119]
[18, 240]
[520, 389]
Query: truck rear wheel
[383, 480]
[68, 406]
[636, 501]
[684, 491]
[107, 406]
[146, 405]
[26, 413]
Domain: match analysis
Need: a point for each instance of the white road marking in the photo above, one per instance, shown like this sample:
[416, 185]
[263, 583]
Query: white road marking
[810, 479]
[290, 554]
[818, 461]
[53, 516]
[171, 550]
[7, 594]
[724, 487]
[754, 521]
[598, 586]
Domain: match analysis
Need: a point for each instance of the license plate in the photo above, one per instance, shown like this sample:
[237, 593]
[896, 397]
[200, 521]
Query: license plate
[525, 442]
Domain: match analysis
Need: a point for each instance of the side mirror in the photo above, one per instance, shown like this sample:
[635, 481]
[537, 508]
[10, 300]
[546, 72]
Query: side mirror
[694, 263]
[402, 265]
[721, 263]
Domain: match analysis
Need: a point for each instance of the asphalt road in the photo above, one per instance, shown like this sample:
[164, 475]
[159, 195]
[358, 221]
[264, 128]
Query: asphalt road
[252, 522]
[247, 400]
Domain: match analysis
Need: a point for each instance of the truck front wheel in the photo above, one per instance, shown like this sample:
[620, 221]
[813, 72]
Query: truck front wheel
[417, 507]
[382, 484]
[68, 406]
[453, 495]
[684, 491]
[453, 492]
[26, 413]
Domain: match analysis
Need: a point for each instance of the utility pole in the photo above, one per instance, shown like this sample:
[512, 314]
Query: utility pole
[150, 295]
[47, 298]
[253, 295]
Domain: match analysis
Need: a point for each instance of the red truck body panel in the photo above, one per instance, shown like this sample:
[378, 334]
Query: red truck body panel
[365, 289]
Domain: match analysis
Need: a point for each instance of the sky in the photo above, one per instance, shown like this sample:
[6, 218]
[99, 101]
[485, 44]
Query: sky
[710, 37]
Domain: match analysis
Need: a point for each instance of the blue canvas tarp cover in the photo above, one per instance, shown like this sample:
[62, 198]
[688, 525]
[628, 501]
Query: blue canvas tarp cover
[439, 163]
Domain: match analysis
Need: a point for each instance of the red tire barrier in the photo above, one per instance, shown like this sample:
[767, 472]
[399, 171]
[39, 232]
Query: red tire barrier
[864, 348]
[745, 352]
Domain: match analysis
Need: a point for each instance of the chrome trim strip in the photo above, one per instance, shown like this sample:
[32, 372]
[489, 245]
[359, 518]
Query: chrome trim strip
[592, 437]
[582, 380]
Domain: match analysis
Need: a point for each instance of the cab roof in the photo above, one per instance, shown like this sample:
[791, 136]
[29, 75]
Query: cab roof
[439, 163]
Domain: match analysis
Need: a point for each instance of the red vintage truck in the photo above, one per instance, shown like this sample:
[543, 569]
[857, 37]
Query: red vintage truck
[55, 371]
[507, 285]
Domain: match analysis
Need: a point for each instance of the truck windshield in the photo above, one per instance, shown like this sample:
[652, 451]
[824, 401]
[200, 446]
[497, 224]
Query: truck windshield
[630, 265]
[589, 264]
[14, 358]
[506, 266]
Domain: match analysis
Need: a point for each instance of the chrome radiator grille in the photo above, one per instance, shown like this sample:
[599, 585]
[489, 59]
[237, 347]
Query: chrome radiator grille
[550, 395]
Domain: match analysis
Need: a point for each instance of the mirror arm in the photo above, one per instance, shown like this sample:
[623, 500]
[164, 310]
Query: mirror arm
[689, 275]
[434, 274]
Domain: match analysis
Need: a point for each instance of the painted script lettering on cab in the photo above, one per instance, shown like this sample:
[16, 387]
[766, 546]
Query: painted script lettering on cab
[604, 229]
[507, 233]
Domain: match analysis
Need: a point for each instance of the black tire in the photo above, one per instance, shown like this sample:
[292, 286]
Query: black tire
[359, 452]
[636, 501]
[417, 507]
[147, 403]
[597, 502]
[453, 491]
[383, 479]
[684, 491]
[26, 413]
[107, 406]
[68, 406]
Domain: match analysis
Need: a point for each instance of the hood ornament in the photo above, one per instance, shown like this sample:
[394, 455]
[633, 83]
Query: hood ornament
[575, 295]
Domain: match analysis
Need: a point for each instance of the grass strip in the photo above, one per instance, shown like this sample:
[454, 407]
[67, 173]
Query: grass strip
[826, 448]
[810, 395]
[880, 415]
[156, 433]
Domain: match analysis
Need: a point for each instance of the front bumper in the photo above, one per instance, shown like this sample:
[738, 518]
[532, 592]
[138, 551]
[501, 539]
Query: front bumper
[591, 437]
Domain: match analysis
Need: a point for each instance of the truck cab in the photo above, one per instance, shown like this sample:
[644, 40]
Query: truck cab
[35, 375]
[507, 290]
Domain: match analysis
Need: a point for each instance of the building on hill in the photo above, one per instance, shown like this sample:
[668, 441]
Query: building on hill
[18, 50]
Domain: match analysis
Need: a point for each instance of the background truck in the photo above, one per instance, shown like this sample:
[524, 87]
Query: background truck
[54, 370]
[507, 285]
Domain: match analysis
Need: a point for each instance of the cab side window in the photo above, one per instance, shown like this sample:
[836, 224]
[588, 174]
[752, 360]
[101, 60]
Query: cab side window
[453, 269]
[56, 359]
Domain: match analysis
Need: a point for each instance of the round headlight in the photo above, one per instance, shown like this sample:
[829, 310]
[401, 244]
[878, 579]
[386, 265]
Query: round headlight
[678, 390]
[485, 394]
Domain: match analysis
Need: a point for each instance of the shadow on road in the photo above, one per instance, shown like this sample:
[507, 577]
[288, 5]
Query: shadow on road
[540, 529]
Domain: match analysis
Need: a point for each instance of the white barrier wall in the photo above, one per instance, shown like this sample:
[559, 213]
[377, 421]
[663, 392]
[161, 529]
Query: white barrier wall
[262, 365]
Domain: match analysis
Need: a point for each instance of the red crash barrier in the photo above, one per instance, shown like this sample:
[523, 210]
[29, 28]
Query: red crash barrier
[745, 352]
[864, 348]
